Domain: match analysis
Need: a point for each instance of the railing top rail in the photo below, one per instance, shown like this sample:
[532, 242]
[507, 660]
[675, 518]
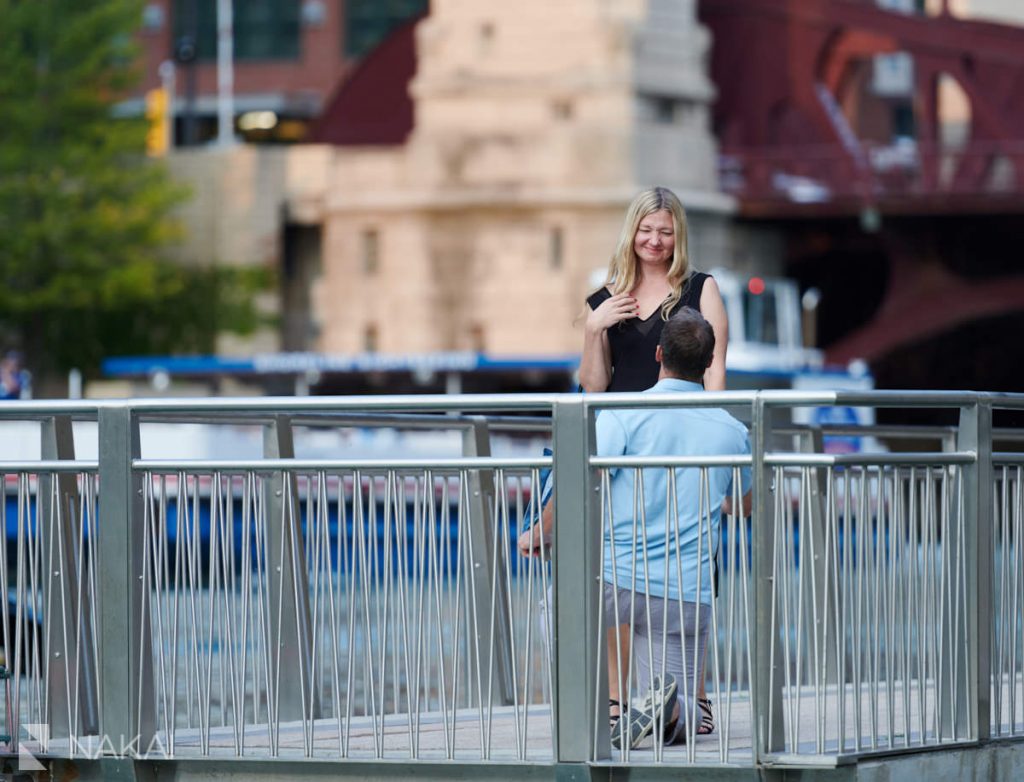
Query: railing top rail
[1011, 401]
[723, 460]
[270, 405]
[674, 399]
[209, 409]
[870, 459]
[331, 418]
[783, 397]
[38, 409]
[875, 398]
[49, 466]
[397, 403]
[331, 465]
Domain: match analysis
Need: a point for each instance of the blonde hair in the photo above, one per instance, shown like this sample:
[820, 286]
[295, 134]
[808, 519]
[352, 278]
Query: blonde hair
[622, 269]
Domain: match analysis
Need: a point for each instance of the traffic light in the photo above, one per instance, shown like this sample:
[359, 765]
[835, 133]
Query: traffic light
[158, 137]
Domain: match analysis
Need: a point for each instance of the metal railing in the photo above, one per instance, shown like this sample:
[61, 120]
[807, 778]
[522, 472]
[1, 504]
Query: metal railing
[825, 173]
[402, 577]
[376, 608]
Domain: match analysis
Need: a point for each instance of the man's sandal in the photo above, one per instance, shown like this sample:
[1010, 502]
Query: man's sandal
[614, 718]
[707, 717]
[655, 709]
[704, 727]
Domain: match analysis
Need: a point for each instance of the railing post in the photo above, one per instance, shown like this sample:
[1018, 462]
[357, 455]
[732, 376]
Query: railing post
[127, 704]
[476, 442]
[975, 434]
[68, 633]
[766, 689]
[577, 558]
[286, 564]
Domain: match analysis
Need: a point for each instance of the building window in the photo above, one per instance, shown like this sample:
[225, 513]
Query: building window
[903, 121]
[368, 22]
[562, 109]
[666, 109]
[264, 29]
[477, 338]
[557, 248]
[370, 242]
[371, 339]
[486, 37]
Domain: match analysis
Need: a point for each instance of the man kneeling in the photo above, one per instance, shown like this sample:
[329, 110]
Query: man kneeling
[662, 538]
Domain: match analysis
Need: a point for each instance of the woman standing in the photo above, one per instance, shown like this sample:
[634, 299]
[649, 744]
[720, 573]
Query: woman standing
[649, 279]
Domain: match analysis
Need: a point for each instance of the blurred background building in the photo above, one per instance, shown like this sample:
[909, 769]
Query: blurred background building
[451, 176]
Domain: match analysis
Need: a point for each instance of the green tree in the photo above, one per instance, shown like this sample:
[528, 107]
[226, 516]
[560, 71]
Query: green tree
[84, 215]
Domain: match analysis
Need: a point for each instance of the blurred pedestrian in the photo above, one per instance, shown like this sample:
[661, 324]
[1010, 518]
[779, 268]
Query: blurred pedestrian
[15, 381]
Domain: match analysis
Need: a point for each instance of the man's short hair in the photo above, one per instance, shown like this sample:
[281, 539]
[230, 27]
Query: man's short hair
[687, 344]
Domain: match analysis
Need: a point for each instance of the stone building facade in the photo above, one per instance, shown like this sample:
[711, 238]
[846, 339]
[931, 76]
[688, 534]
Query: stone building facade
[534, 127]
[535, 124]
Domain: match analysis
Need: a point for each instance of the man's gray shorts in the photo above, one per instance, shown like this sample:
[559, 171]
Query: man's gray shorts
[657, 624]
[668, 636]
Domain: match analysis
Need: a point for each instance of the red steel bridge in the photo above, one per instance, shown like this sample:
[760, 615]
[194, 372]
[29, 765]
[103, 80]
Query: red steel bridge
[902, 206]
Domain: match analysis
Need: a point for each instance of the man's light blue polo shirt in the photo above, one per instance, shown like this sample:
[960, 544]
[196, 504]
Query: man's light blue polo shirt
[694, 431]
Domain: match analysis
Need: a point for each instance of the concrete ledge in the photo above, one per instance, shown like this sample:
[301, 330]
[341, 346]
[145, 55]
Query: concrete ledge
[998, 761]
[995, 762]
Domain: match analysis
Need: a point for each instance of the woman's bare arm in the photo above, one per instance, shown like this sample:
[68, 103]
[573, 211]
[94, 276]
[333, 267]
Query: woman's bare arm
[713, 309]
[596, 362]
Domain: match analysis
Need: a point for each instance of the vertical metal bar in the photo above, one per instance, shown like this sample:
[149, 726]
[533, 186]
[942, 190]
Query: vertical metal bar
[769, 665]
[1002, 572]
[68, 630]
[286, 570]
[127, 703]
[476, 442]
[1012, 612]
[577, 560]
[975, 434]
[825, 641]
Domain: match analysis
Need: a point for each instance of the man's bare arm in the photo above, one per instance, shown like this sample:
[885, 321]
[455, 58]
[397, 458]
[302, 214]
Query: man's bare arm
[747, 503]
[538, 536]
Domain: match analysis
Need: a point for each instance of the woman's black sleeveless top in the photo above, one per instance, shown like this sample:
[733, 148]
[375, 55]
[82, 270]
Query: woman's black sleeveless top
[634, 341]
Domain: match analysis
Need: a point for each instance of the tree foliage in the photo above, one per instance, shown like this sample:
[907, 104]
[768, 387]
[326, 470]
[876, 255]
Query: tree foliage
[84, 216]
